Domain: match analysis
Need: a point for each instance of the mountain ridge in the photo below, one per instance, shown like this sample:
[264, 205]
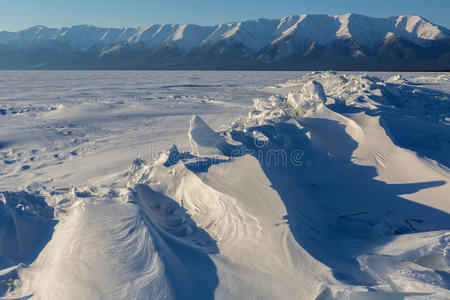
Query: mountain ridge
[261, 43]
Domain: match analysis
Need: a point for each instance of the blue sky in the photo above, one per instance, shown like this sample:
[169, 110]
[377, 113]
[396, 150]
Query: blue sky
[21, 14]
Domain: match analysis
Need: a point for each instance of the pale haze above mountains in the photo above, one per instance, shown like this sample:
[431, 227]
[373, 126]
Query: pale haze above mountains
[300, 42]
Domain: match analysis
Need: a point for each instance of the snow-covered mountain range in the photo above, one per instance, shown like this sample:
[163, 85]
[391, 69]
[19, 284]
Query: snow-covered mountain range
[301, 41]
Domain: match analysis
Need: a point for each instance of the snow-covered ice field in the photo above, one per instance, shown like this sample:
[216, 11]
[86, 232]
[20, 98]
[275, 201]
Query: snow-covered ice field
[224, 185]
[109, 118]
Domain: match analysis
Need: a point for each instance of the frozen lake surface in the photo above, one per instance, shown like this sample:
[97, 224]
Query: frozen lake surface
[281, 185]
[115, 114]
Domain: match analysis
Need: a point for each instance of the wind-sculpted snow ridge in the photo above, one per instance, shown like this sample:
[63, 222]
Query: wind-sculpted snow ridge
[217, 212]
[327, 190]
[119, 244]
[354, 129]
[319, 167]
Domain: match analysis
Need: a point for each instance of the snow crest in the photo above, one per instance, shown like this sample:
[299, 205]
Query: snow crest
[328, 189]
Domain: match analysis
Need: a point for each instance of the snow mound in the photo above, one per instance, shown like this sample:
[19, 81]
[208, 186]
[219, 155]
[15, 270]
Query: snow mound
[123, 243]
[302, 198]
[205, 141]
[397, 79]
[263, 111]
[220, 215]
[309, 98]
[343, 88]
[398, 269]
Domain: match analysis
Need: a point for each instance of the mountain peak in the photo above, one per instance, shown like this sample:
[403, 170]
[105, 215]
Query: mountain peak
[282, 37]
[418, 29]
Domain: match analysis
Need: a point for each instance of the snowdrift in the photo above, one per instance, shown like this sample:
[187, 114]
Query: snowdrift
[329, 190]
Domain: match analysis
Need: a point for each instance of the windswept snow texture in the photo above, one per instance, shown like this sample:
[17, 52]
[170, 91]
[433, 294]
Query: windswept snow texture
[224, 185]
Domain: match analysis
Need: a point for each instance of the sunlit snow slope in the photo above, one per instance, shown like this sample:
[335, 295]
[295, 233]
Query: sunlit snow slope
[334, 187]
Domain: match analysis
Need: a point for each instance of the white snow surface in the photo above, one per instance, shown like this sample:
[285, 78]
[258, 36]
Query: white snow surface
[224, 185]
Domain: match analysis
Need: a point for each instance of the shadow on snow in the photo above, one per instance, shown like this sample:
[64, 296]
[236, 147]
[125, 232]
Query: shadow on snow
[335, 208]
[181, 244]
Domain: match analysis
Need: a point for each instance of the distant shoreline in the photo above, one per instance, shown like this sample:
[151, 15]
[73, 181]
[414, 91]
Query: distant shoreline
[227, 70]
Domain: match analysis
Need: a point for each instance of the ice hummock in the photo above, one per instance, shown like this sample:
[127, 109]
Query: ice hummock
[204, 141]
[308, 98]
[324, 201]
